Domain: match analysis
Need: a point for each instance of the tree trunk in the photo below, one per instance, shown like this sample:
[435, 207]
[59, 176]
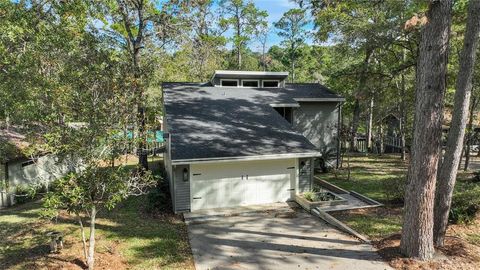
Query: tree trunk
[356, 110]
[142, 154]
[91, 241]
[417, 231]
[473, 105]
[84, 241]
[403, 115]
[369, 125]
[355, 120]
[380, 151]
[448, 172]
[239, 42]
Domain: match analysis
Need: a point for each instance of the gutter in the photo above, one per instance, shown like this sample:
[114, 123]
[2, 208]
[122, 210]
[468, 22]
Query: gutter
[245, 158]
[340, 99]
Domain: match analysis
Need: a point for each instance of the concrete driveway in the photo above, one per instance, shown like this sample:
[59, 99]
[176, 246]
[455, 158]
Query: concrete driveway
[281, 239]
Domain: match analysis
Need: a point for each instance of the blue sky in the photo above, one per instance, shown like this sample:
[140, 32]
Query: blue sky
[275, 10]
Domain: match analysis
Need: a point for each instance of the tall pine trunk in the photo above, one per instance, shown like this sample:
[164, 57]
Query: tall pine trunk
[370, 124]
[470, 131]
[403, 115]
[453, 154]
[417, 231]
[356, 109]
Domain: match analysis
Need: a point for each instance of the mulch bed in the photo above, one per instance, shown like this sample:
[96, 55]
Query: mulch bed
[456, 254]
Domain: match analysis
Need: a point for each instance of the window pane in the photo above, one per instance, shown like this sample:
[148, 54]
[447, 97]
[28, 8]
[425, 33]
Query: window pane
[270, 84]
[250, 83]
[229, 83]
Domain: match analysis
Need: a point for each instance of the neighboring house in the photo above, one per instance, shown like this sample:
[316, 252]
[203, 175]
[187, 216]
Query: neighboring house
[245, 138]
[17, 169]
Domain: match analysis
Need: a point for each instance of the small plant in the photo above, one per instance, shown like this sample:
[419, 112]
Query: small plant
[326, 161]
[309, 196]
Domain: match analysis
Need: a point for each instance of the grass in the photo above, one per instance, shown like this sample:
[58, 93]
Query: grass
[373, 176]
[368, 175]
[127, 238]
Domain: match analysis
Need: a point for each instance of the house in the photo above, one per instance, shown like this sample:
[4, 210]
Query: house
[18, 169]
[245, 138]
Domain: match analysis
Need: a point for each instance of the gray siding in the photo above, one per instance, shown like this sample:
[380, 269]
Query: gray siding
[182, 189]
[305, 175]
[318, 122]
[45, 170]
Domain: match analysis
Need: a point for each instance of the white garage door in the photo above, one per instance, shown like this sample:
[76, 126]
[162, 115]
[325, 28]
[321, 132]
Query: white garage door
[229, 184]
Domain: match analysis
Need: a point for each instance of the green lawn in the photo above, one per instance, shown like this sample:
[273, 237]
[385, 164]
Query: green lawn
[376, 177]
[127, 238]
[135, 239]
[369, 175]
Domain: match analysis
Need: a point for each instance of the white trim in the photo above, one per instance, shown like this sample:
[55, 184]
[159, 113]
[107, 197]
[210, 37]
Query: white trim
[319, 99]
[242, 72]
[244, 158]
[237, 80]
[279, 105]
[278, 83]
[251, 80]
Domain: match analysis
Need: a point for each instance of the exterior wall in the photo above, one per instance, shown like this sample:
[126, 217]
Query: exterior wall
[168, 161]
[318, 122]
[181, 189]
[305, 174]
[45, 170]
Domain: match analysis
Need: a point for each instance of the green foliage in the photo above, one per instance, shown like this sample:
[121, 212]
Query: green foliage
[394, 189]
[24, 194]
[309, 196]
[100, 187]
[245, 19]
[465, 203]
[327, 159]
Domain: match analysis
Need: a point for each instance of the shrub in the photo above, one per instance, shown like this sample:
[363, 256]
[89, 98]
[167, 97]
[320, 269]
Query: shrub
[394, 189]
[158, 199]
[465, 204]
[476, 177]
[24, 194]
[327, 160]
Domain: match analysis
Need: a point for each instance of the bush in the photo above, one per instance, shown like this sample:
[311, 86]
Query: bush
[476, 177]
[327, 161]
[394, 189]
[465, 204]
[158, 199]
[24, 194]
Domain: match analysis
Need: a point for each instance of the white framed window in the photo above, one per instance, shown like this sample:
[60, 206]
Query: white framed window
[250, 83]
[270, 83]
[229, 83]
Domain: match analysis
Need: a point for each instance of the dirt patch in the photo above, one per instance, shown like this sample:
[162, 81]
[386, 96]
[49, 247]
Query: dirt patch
[456, 254]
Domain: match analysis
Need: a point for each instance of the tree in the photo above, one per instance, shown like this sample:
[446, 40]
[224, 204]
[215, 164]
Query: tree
[245, 18]
[206, 40]
[417, 230]
[361, 28]
[449, 167]
[292, 28]
[137, 23]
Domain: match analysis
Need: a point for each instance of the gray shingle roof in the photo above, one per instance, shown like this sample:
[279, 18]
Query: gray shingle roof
[218, 122]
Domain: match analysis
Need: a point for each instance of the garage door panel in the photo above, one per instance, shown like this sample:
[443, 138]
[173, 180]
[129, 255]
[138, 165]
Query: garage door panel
[222, 185]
